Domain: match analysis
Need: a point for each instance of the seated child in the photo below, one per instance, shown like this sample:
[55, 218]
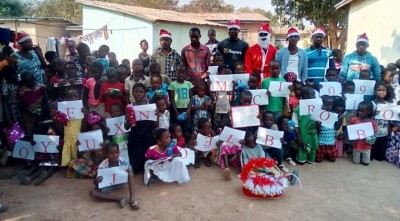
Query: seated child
[251, 149]
[114, 160]
[173, 169]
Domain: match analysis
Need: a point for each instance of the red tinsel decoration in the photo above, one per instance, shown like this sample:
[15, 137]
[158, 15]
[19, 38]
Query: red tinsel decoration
[60, 118]
[93, 118]
[254, 165]
[130, 114]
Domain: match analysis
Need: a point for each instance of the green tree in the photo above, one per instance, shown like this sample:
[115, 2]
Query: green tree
[199, 6]
[319, 13]
[12, 8]
[268, 14]
[68, 9]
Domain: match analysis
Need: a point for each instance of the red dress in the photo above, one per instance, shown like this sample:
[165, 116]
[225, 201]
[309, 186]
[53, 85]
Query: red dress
[254, 57]
[109, 100]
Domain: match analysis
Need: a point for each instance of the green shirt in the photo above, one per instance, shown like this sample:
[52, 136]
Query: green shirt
[182, 95]
[275, 104]
[307, 129]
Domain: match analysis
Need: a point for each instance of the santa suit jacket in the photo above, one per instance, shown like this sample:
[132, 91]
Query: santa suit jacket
[254, 57]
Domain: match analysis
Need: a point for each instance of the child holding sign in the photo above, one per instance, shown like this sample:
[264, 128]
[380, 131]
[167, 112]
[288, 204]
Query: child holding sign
[164, 160]
[204, 128]
[306, 131]
[326, 136]
[201, 104]
[114, 160]
[362, 147]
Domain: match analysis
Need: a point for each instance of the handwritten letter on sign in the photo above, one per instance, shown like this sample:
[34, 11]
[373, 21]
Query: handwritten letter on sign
[270, 138]
[330, 88]
[187, 155]
[206, 143]
[245, 116]
[23, 150]
[388, 112]
[260, 97]
[46, 144]
[279, 89]
[90, 140]
[221, 82]
[360, 131]
[73, 109]
[146, 112]
[364, 87]
[231, 135]
[326, 118]
[116, 125]
[353, 100]
[112, 176]
[309, 105]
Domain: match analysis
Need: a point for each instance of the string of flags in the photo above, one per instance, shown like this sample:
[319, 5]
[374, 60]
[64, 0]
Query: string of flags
[100, 33]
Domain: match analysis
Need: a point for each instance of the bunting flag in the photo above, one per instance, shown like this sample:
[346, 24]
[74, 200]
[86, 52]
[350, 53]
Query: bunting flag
[100, 33]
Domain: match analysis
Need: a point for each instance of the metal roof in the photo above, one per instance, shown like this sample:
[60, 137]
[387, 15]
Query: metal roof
[225, 17]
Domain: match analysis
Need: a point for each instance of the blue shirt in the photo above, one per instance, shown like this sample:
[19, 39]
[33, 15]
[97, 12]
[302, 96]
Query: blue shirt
[327, 136]
[353, 63]
[318, 62]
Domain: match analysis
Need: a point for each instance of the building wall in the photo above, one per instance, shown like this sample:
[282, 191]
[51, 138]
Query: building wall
[22, 26]
[180, 34]
[378, 18]
[125, 43]
[252, 36]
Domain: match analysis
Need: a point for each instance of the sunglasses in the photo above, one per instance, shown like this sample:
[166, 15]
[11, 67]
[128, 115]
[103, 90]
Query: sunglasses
[263, 34]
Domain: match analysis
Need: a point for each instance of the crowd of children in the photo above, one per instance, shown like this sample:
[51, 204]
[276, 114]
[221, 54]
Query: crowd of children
[184, 110]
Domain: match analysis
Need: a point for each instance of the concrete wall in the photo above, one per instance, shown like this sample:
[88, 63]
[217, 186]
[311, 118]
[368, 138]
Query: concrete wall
[378, 18]
[125, 43]
[180, 34]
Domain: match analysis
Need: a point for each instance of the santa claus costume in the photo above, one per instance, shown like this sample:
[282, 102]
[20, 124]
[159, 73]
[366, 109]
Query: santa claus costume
[259, 55]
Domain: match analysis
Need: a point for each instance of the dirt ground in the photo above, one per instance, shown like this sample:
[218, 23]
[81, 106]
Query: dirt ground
[331, 191]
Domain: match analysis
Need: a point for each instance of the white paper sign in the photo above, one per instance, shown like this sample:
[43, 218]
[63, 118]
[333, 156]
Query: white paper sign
[330, 88]
[279, 89]
[90, 140]
[116, 125]
[326, 118]
[365, 87]
[188, 155]
[388, 112]
[213, 70]
[245, 116]
[244, 78]
[307, 106]
[353, 100]
[23, 150]
[112, 176]
[269, 138]
[206, 143]
[231, 135]
[260, 97]
[46, 143]
[146, 112]
[73, 109]
[360, 131]
[221, 83]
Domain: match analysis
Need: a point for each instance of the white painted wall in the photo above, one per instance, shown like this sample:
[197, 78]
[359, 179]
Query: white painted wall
[125, 43]
[379, 19]
[180, 34]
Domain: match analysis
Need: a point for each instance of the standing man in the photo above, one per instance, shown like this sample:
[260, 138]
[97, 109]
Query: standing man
[165, 56]
[212, 44]
[360, 60]
[195, 57]
[292, 58]
[233, 49]
[319, 57]
[261, 54]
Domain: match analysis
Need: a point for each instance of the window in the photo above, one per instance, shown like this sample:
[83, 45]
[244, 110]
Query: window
[245, 34]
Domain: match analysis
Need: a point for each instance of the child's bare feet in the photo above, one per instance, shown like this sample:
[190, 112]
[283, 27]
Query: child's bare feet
[227, 174]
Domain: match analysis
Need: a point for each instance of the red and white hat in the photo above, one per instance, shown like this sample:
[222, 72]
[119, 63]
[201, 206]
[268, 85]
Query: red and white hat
[362, 38]
[264, 28]
[234, 24]
[22, 36]
[165, 34]
[292, 32]
[319, 30]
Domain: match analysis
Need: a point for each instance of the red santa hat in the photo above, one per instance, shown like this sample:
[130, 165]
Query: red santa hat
[234, 24]
[292, 32]
[362, 38]
[22, 36]
[319, 30]
[264, 28]
[165, 34]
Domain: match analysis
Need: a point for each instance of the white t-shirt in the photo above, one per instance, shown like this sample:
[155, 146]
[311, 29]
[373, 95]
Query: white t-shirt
[293, 65]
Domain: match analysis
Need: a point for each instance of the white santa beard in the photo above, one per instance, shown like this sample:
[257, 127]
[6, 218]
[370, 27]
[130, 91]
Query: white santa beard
[264, 44]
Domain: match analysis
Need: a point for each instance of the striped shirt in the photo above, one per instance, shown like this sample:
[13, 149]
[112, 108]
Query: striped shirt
[318, 63]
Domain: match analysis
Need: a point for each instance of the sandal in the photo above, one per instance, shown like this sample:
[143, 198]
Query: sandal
[208, 162]
[3, 208]
[122, 202]
[134, 205]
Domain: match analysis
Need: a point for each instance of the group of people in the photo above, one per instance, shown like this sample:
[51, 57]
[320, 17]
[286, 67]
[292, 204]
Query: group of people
[179, 86]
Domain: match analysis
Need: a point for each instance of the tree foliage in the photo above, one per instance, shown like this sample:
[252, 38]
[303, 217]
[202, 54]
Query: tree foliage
[12, 8]
[68, 9]
[199, 6]
[318, 12]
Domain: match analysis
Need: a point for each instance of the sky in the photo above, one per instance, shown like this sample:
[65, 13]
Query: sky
[264, 4]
